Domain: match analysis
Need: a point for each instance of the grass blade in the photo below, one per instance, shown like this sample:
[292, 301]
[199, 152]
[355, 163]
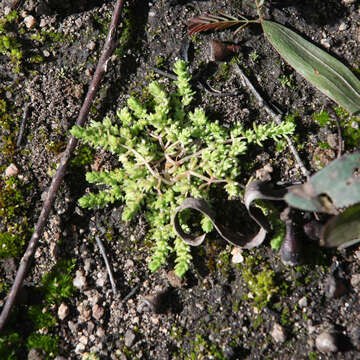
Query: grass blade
[325, 72]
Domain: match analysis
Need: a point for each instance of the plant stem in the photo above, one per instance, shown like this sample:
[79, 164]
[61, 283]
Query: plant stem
[107, 264]
[276, 117]
[60, 173]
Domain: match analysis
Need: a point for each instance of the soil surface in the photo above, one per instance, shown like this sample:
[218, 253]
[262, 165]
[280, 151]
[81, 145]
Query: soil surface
[312, 311]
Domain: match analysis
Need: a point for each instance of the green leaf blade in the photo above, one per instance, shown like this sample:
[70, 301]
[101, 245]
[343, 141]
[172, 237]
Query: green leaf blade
[322, 70]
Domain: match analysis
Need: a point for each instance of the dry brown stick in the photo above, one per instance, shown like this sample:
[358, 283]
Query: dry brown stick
[60, 173]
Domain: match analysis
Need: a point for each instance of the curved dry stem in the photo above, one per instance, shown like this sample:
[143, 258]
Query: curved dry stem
[60, 173]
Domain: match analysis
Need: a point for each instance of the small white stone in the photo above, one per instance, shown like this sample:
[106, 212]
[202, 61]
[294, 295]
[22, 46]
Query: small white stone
[91, 45]
[63, 311]
[11, 170]
[97, 312]
[355, 280]
[325, 43]
[278, 333]
[326, 342]
[84, 340]
[237, 256]
[303, 302]
[129, 338]
[30, 21]
[342, 27]
[79, 281]
[79, 348]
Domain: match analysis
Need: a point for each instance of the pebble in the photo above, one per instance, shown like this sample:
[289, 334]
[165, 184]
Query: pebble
[129, 338]
[83, 340]
[85, 312]
[35, 354]
[79, 281]
[335, 287]
[237, 256]
[264, 174]
[327, 342]
[174, 280]
[97, 312]
[79, 348]
[30, 21]
[11, 170]
[73, 327]
[101, 280]
[325, 43]
[355, 280]
[303, 302]
[63, 311]
[278, 333]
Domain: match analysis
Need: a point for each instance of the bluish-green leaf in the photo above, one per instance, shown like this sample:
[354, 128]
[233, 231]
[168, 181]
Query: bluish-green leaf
[325, 72]
[334, 187]
[342, 230]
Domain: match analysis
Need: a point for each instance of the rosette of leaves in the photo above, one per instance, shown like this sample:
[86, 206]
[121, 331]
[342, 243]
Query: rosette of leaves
[168, 151]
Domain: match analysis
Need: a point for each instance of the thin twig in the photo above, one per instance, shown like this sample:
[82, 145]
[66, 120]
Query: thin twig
[60, 173]
[130, 294]
[276, 117]
[107, 264]
[22, 126]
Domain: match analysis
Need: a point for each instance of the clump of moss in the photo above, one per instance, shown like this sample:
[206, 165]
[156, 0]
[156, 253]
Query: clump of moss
[47, 343]
[83, 156]
[349, 126]
[13, 217]
[57, 284]
[262, 284]
[9, 44]
[56, 287]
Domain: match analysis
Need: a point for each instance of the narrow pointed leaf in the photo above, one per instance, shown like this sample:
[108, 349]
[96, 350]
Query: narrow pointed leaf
[325, 72]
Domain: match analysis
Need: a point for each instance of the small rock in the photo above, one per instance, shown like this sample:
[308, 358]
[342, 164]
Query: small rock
[327, 342]
[100, 332]
[335, 287]
[97, 312]
[342, 27]
[333, 141]
[91, 45]
[355, 280]
[79, 281]
[63, 311]
[35, 354]
[30, 21]
[79, 348]
[264, 174]
[11, 170]
[325, 43]
[278, 333]
[174, 280]
[101, 280]
[303, 302]
[237, 256]
[85, 312]
[73, 327]
[129, 338]
[83, 340]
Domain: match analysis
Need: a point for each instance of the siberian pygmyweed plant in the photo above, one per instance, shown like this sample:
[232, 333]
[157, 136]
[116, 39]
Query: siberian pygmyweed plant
[168, 151]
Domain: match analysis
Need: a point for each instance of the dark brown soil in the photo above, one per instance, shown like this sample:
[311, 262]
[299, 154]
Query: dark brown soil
[213, 314]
